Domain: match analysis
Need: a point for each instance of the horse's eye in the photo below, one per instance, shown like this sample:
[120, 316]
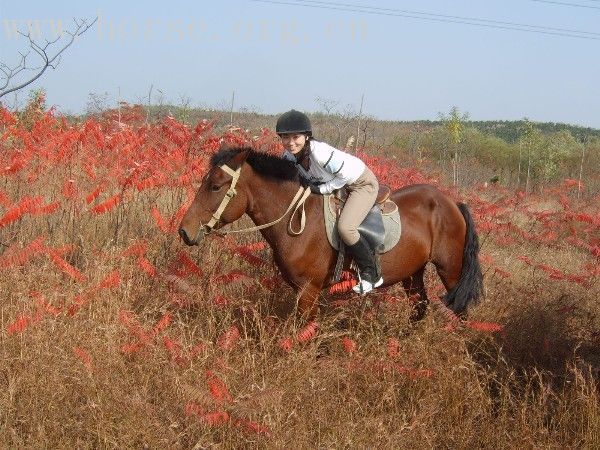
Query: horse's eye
[215, 188]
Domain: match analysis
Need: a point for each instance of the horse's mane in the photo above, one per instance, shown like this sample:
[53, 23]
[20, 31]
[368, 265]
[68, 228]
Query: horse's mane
[263, 163]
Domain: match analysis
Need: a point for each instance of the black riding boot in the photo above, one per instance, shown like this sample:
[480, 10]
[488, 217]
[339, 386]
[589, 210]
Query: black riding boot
[367, 268]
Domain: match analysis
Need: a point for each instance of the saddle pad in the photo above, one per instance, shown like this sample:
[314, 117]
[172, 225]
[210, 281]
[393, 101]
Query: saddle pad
[391, 224]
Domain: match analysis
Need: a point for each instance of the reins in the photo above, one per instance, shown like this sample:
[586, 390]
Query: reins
[298, 200]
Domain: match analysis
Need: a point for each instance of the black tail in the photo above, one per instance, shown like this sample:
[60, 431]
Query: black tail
[469, 288]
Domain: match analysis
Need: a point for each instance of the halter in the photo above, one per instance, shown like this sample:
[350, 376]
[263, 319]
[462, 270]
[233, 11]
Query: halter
[302, 194]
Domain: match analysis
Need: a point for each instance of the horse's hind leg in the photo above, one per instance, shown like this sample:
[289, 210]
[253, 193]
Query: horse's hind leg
[449, 272]
[415, 289]
[449, 268]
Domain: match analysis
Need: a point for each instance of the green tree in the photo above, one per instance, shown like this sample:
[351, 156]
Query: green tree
[531, 144]
[561, 148]
[454, 125]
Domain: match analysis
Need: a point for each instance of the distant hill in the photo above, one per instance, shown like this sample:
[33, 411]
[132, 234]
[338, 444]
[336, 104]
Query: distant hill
[510, 130]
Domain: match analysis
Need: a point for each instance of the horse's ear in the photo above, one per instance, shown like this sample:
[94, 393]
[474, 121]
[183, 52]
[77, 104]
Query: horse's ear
[239, 159]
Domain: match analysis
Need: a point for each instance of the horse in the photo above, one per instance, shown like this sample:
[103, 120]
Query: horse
[434, 229]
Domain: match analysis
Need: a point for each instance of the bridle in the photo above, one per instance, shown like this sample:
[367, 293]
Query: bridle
[231, 192]
[298, 200]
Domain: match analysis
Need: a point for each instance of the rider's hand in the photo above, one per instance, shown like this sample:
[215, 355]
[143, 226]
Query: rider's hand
[304, 182]
[314, 188]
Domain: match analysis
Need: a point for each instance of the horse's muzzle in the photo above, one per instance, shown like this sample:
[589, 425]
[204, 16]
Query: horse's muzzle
[187, 239]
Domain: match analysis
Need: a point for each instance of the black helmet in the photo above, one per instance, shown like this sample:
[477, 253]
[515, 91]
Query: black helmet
[293, 122]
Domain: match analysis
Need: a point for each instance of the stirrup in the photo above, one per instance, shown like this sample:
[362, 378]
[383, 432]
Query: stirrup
[363, 287]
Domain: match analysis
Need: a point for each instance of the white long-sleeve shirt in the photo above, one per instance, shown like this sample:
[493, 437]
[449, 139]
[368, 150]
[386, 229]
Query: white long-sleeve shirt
[329, 166]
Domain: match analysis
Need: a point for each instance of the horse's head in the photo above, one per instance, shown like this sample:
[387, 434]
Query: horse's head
[221, 198]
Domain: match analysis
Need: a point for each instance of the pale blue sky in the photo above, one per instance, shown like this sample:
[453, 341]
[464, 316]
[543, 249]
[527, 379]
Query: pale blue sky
[278, 56]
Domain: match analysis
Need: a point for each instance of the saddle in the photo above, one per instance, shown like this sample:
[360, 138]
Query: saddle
[381, 228]
[382, 196]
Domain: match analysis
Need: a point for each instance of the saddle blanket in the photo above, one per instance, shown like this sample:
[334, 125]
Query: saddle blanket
[391, 224]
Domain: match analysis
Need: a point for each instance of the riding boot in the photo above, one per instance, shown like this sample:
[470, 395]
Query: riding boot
[367, 268]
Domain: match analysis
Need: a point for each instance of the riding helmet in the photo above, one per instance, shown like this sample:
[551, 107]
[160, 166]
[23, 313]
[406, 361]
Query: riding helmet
[293, 122]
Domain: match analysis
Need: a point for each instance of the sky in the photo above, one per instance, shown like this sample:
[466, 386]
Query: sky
[410, 59]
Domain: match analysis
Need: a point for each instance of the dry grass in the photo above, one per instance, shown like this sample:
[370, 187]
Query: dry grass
[93, 379]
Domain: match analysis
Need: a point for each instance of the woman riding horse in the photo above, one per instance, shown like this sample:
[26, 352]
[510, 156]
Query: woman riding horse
[325, 169]
[435, 229]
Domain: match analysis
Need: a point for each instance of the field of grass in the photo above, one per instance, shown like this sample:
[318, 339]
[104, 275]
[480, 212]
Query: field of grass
[115, 335]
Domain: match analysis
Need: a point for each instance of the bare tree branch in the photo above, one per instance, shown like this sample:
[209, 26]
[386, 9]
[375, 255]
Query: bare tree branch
[48, 60]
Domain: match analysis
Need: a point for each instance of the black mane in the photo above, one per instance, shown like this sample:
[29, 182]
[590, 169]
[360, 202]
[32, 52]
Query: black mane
[263, 163]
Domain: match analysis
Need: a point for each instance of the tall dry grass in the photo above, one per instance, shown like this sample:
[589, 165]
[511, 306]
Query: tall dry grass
[115, 336]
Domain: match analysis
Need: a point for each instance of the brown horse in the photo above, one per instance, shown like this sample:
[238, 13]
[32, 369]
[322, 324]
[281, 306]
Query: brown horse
[434, 229]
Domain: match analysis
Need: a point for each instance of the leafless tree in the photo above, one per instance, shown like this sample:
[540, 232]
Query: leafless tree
[48, 53]
[336, 124]
[96, 103]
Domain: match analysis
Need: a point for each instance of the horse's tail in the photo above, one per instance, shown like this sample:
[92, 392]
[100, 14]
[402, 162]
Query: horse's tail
[469, 288]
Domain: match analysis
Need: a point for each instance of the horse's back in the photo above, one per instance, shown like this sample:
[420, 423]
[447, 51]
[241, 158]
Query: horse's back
[429, 215]
[421, 199]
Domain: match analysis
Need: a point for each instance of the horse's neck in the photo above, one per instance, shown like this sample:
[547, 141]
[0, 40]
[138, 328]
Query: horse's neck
[269, 201]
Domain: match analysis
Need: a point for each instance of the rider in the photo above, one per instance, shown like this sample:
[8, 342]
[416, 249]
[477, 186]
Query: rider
[326, 169]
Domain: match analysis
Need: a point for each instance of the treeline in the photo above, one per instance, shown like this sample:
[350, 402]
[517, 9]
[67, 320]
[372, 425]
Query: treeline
[535, 159]
[518, 154]
[511, 130]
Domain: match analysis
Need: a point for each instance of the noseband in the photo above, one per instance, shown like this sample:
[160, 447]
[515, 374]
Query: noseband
[300, 197]
[231, 192]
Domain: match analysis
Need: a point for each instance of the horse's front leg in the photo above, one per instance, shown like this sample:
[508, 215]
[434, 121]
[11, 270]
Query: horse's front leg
[307, 300]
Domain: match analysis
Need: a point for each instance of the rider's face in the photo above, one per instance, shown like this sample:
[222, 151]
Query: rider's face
[293, 142]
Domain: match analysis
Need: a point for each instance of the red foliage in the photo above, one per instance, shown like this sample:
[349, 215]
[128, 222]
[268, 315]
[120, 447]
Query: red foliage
[15, 213]
[106, 205]
[19, 325]
[94, 194]
[189, 264]
[230, 277]
[4, 200]
[43, 305]
[65, 266]
[307, 332]
[393, 347]
[138, 249]
[69, 189]
[213, 419]
[286, 344]
[46, 209]
[246, 252]
[229, 338]
[177, 352]
[113, 279]
[162, 323]
[487, 327]
[343, 286]
[84, 356]
[349, 345]
[254, 427]
[19, 257]
[147, 267]
[161, 223]
[218, 389]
